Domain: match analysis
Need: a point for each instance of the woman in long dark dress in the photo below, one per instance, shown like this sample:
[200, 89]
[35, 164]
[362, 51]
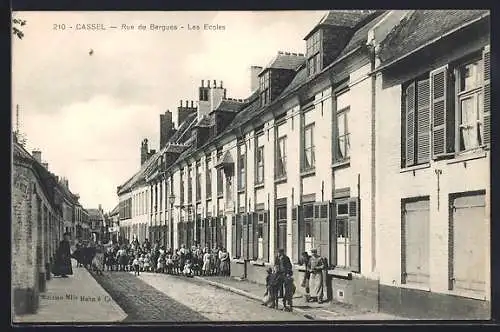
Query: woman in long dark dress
[62, 266]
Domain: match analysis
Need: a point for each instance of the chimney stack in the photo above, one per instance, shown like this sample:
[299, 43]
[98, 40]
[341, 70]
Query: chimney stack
[46, 165]
[221, 84]
[37, 154]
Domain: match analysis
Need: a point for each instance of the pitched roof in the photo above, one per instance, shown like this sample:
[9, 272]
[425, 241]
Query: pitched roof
[94, 213]
[183, 127]
[343, 18]
[230, 105]
[360, 37]
[115, 211]
[204, 122]
[289, 61]
[421, 27]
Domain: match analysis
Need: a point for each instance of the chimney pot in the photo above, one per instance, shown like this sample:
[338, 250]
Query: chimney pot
[221, 84]
[187, 103]
[202, 83]
[215, 83]
[192, 105]
[287, 53]
[208, 83]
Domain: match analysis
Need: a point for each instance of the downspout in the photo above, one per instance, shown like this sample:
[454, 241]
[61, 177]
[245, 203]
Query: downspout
[373, 160]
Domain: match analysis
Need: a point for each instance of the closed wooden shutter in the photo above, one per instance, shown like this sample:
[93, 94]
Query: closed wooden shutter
[265, 237]
[233, 235]
[295, 233]
[240, 235]
[333, 234]
[410, 124]
[423, 121]
[470, 234]
[486, 94]
[354, 236]
[250, 225]
[203, 233]
[322, 229]
[255, 235]
[441, 140]
[243, 237]
[415, 242]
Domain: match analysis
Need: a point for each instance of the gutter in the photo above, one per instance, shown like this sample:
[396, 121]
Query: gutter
[429, 43]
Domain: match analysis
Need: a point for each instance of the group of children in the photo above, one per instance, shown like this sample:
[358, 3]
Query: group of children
[279, 286]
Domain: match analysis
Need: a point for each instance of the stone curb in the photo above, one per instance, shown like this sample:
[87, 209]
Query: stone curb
[249, 295]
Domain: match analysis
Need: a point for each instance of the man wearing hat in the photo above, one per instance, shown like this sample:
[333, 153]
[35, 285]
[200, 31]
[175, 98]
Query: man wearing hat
[284, 269]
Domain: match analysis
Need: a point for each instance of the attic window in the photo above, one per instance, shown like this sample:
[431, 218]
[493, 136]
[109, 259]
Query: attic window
[313, 53]
[265, 92]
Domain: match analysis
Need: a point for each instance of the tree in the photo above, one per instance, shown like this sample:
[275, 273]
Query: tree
[16, 23]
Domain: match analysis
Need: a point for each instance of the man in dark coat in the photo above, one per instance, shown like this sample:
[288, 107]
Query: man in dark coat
[284, 269]
[62, 266]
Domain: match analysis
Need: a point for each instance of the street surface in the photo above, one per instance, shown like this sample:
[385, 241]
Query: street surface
[161, 297]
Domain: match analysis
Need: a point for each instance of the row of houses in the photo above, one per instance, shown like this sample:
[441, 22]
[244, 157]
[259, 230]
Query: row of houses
[373, 147]
[43, 209]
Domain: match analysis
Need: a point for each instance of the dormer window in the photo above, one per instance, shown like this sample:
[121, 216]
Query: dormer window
[265, 92]
[313, 44]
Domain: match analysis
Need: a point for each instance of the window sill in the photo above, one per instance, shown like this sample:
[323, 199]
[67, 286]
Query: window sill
[280, 180]
[414, 168]
[309, 172]
[340, 273]
[241, 190]
[466, 156]
[220, 195]
[209, 199]
[340, 164]
[415, 287]
[259, 185]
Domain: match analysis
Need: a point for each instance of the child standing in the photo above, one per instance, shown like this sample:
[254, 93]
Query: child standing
[136, 265]
[206, 262]
[289, 292]
[269, 294]
[146, 263]
[188, 272]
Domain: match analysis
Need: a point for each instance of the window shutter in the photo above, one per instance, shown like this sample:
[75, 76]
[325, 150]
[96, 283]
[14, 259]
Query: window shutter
[322, 229]
[441, 144]
[244, 235]
[354, 243]
[233, 236]
[403, 245]
[250, 224]
[423, 121]
[239, 235]
[265, 236]
[410, 124]
[203, 233]
[486, 94]
[255, 250]
[295, 233]
[333, 234]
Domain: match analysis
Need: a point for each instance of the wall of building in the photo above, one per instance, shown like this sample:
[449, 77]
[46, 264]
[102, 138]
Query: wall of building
[394, 183]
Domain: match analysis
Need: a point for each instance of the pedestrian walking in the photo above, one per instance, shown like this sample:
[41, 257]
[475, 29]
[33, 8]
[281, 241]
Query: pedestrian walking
[316, 279]
[289, 288]
[284, 269]
[62, 264]
[307, 274]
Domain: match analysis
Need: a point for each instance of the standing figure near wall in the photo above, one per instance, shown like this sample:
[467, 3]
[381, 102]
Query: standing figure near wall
[316, 279]
[62, 265]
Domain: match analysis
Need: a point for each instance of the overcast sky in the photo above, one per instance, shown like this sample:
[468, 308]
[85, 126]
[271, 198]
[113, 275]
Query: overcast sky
[89, 114]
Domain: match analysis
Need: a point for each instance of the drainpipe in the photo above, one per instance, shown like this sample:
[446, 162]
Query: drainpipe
[373, 160]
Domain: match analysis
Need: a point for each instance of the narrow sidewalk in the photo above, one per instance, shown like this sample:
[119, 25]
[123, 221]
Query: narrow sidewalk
[310, 310]
[76, 299]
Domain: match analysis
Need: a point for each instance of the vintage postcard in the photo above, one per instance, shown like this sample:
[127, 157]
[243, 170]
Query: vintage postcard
[250, 166]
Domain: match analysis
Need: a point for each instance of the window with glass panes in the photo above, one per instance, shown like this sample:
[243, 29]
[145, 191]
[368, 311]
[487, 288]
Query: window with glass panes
[313, 45]
[190, 184]
[308, 157]
[208, 175]
[281, 232]
[198, 181]
[308, 210]
[259, 159]
[265, 91]
[342, 134]
[241, 166]
[181, 184]
[280, 151]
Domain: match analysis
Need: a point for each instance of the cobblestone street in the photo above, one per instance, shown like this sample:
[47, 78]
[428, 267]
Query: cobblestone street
[159, 297]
